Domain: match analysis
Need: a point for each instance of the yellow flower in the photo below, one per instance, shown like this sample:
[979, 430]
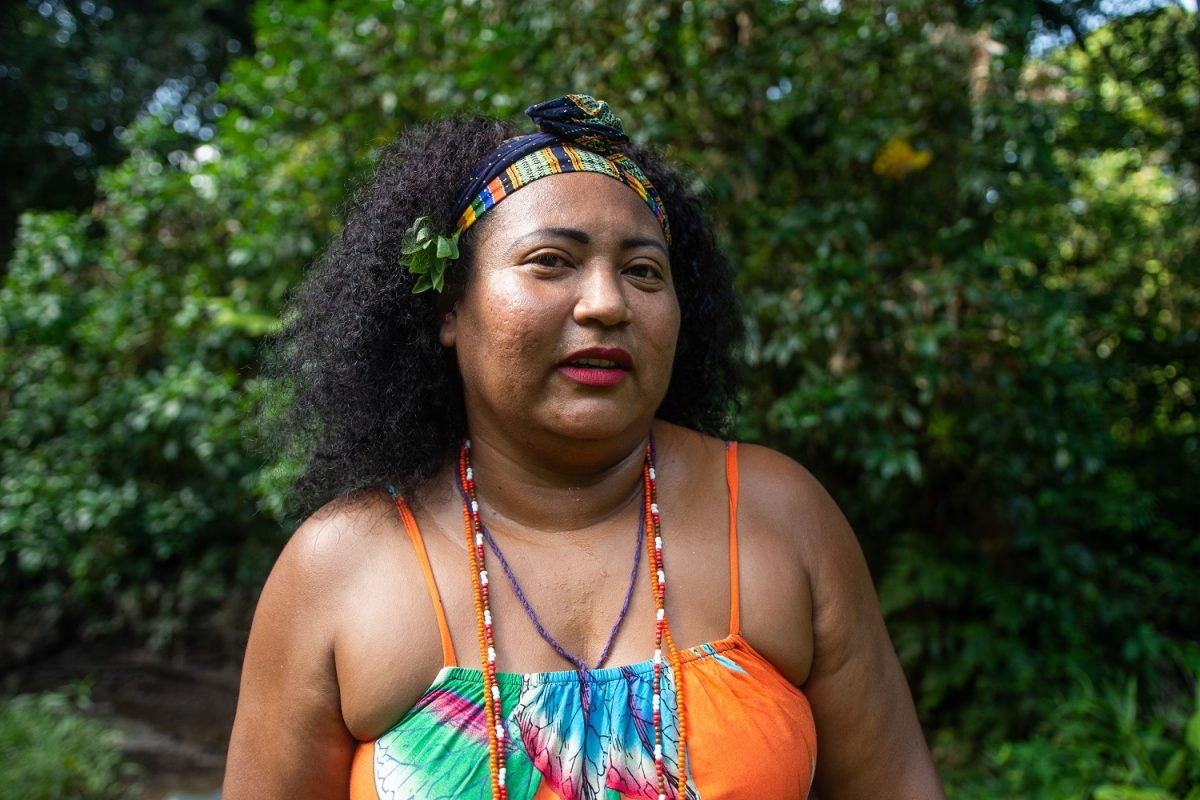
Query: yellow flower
[897, 158]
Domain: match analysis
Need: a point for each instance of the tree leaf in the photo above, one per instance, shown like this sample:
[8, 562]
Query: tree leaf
[420, 262]
[1192, 733]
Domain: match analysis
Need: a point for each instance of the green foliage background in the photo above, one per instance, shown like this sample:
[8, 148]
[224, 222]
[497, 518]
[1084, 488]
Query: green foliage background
[51, 749]
[968, 251]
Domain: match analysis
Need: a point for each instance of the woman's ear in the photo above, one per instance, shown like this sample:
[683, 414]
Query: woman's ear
[448, 310]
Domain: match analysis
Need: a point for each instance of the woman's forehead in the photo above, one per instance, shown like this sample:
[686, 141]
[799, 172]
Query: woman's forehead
[584, 201]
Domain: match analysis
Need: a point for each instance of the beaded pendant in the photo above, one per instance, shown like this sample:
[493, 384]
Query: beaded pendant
[493, 711]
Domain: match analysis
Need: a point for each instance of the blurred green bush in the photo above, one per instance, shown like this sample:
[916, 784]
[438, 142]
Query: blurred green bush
[1100, 744]
[51, 750]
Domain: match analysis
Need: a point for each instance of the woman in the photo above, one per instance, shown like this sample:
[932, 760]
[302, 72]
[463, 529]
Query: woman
[505, 451]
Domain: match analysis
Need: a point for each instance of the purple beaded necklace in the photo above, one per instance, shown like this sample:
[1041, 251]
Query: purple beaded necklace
[579, 664]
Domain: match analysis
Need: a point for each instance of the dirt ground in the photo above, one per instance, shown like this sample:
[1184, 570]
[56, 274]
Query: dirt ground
[176, 713]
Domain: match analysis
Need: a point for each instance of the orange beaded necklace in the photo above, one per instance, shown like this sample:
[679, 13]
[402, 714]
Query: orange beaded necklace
[487, 646]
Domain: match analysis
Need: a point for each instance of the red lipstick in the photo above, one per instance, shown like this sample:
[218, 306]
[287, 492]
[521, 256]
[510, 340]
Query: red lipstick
[597, 366]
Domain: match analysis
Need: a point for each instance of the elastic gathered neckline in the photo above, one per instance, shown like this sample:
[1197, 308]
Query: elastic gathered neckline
[602, 675]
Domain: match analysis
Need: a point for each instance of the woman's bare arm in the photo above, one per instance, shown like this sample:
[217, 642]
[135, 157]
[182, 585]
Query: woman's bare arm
[289, 738]
[870, 743]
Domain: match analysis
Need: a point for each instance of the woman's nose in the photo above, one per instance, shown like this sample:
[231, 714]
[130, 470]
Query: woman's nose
[602, 298]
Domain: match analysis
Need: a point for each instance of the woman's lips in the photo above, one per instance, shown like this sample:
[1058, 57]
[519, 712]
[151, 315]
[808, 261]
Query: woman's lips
[594, 376]
[597, 366]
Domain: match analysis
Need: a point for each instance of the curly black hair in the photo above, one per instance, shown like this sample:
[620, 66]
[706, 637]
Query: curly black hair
[371, 396]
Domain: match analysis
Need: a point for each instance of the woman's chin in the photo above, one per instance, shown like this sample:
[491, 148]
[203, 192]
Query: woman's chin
[598, 420]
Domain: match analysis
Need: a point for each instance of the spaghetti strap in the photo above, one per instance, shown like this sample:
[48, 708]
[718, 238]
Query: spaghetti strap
[731, 479]
[414, 533]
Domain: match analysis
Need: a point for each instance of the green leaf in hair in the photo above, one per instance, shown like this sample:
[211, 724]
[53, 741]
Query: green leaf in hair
[427, 254]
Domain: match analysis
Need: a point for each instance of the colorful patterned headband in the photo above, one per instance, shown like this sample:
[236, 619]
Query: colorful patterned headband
[577, 134]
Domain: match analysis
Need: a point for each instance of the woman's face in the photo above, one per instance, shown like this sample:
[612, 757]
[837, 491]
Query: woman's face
[568, 321]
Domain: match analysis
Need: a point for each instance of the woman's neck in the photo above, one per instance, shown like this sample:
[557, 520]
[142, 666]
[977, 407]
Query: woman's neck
[583, 485]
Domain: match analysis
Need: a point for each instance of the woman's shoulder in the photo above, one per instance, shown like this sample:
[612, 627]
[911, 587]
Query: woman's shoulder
[775, 492]
[784, 521]
[759, 462]
[301, 663]
[352, 551]
[782, 499]
[348, 573]
[777, 486]
[320, 569]
[341, 535]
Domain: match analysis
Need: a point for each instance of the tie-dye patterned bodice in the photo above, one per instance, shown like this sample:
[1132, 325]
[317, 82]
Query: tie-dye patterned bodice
[750, 733]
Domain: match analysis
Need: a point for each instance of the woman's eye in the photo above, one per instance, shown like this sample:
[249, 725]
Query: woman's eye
[645, 271]
[548, 260]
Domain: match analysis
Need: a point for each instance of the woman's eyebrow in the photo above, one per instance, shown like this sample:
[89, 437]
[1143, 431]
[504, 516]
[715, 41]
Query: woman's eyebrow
[582, 237]
[642, 241]
[569, 233]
